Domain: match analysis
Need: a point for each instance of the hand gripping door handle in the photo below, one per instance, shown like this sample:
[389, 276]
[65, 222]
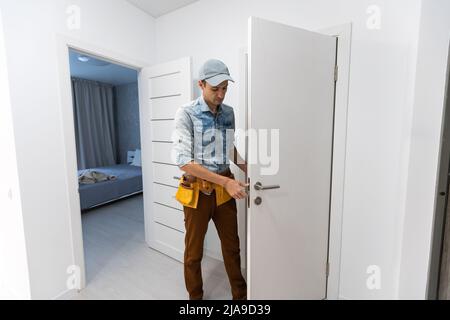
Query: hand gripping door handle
[260, 187]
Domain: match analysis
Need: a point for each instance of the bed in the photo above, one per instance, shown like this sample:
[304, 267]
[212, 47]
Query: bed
[128, 182]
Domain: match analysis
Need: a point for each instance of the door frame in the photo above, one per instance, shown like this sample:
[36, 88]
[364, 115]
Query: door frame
[344, 34]
[441, 200]
[64, 43]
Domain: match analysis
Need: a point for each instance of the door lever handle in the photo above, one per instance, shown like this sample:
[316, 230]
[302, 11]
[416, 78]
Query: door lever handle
[177, 178]
[259, 187]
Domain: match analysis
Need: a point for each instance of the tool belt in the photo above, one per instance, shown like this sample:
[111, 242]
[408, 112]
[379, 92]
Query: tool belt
[189, 189]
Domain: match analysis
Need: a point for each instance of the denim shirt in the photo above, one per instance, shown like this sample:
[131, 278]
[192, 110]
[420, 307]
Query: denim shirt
[202, 136]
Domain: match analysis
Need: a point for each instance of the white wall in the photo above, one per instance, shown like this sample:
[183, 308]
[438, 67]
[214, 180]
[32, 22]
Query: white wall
[14, 282]
[425, 144]
[30, 38]
[379, 130]
[379, 119]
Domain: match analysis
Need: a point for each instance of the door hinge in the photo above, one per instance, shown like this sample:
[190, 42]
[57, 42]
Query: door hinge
[327, 271]
[248, 193]
[336, 73]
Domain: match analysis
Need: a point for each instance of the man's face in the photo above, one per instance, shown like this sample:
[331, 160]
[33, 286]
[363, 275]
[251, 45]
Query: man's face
[214, 95]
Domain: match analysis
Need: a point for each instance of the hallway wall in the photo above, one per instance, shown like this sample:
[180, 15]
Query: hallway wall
[31, 28]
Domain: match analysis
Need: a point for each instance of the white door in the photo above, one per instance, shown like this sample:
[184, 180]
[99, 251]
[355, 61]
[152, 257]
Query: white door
[162, 90]
[291, 89]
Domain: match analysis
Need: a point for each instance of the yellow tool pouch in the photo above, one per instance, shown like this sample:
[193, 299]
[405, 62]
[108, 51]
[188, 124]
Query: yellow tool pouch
[222, 195]
[187, 194]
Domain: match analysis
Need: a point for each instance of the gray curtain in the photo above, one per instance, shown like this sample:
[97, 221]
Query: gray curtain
[95, 130]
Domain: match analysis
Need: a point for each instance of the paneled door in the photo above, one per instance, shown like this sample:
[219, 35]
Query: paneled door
[162, 90]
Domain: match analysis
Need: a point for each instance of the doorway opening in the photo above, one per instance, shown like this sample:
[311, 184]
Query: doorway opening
[109, 168]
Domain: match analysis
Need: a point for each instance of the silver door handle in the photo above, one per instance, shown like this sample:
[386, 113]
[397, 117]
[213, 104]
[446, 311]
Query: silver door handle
[177, 178]
[259, 187]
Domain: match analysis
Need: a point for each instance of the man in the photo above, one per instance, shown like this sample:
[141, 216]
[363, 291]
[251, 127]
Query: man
[203, 145]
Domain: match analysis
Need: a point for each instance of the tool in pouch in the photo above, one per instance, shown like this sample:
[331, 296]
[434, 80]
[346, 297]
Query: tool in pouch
[189, 190]
[187, 193]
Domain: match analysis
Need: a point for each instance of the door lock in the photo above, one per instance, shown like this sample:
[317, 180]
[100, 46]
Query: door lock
[258, 201]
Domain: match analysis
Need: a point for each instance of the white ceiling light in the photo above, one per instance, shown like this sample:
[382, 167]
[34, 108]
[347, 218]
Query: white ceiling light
[83, 58]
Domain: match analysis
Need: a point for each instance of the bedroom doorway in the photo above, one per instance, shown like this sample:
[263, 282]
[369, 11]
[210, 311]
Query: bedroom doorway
[82, 51]
[108, 147]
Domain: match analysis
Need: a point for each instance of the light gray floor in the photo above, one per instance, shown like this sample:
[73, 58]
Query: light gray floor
[120, 265]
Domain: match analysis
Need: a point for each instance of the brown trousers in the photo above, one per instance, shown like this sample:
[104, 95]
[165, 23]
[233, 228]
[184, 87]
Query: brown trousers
[196, 223]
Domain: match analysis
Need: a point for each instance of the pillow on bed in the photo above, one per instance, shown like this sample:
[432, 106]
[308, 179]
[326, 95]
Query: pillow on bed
[137, 158]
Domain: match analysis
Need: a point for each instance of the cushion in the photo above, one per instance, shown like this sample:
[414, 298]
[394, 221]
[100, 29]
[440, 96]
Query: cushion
[137, 159]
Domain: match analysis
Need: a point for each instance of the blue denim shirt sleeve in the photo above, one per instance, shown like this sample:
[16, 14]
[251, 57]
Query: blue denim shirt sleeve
[183, 139]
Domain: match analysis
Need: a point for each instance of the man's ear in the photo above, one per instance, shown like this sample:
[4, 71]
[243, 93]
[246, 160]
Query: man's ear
[200, 84]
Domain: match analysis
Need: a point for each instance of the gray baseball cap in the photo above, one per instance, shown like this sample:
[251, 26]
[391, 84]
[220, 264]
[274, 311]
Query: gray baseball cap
[214, 72]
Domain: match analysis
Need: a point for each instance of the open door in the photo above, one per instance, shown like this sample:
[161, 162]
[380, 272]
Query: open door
[162, 90]
[291, 89]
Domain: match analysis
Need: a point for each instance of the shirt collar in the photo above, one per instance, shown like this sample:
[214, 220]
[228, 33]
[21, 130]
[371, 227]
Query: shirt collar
[204, 106]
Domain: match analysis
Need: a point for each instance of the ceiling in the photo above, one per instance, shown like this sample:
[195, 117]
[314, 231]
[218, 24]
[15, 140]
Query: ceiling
[157, 8]
[99, 70]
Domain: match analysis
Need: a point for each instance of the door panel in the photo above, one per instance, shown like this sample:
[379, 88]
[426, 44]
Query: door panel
[165, 85]
[166, 195]
[162, 152]
[169, 241]
[291, 89]
[162, 90]
[162, 130]
[165, 108]
[165, 174]
[169, 217]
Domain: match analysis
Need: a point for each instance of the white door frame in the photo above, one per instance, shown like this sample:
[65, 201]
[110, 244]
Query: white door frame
[344, 34]
[65, 43]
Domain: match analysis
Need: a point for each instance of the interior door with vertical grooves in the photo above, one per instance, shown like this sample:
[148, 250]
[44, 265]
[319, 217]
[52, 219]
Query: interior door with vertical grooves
[162, 90]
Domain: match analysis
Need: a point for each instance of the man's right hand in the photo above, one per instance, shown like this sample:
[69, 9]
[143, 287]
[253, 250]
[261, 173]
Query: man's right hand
[236, 189]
